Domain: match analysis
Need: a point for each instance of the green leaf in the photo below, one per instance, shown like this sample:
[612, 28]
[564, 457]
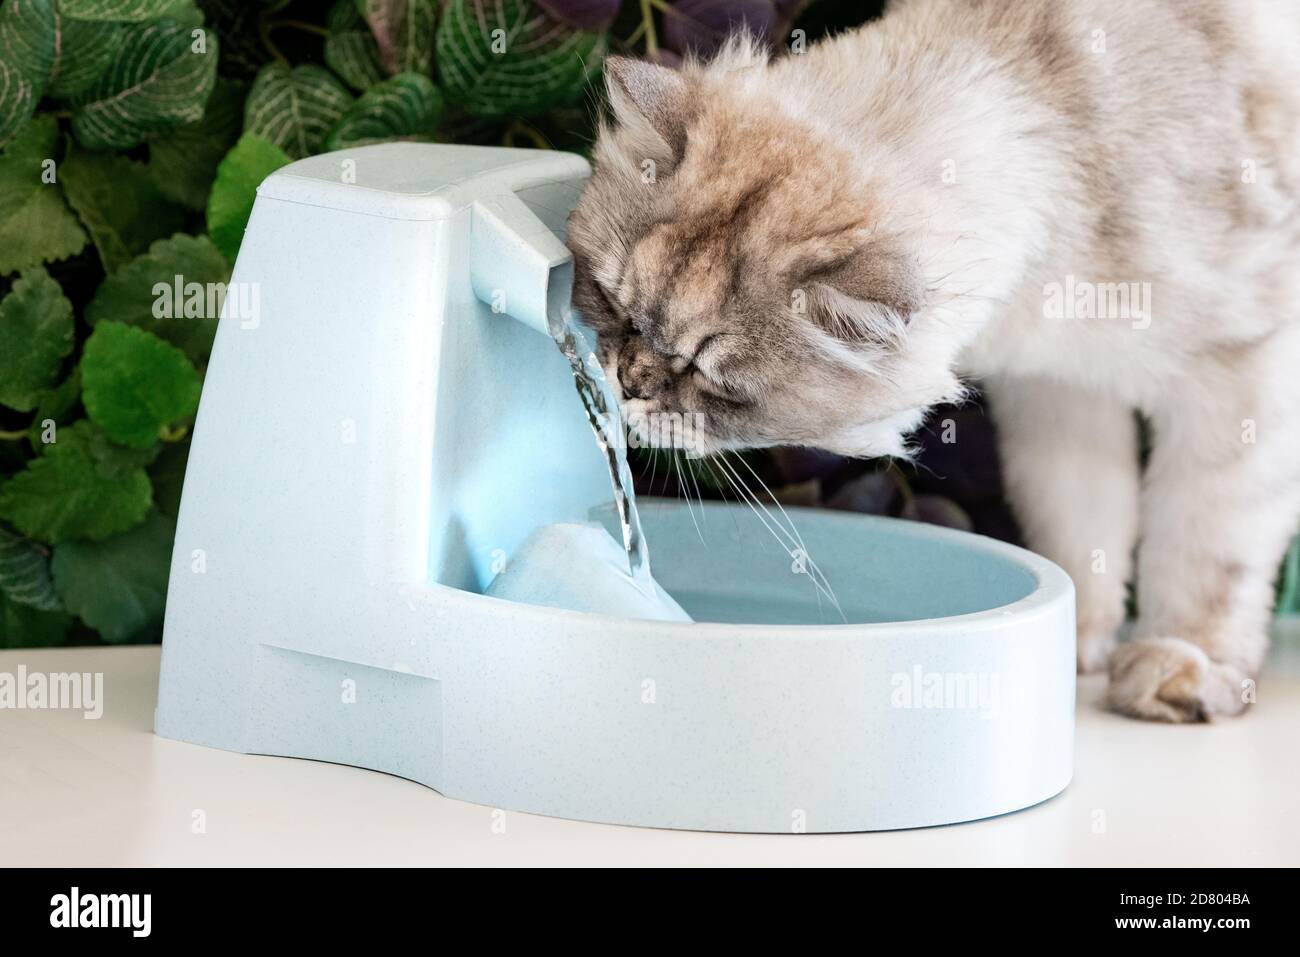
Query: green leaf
[112, 459]
[36, 225]
[44, 52]
[168, 476]
[18, 96]
[183, 163]
[22, 626]
[35, 336]
[143, 293]
[118, 586]
[29, 37]
[237, 23]
[155, 83]
[350, 48]
[59, 402]
[121, 11]
[231, 203]
[25, 573]
[67, 494]
[119, 204]
[1288, 587]
[56, 405]
[403, 31]
[408, 106]
[135, 384]
[85, 52]
[533, 64]
[295, 109]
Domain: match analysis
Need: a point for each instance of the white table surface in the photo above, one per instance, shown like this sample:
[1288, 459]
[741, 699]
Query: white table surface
[108, 792]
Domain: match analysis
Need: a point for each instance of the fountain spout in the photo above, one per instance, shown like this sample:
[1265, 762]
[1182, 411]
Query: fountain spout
[517, 264]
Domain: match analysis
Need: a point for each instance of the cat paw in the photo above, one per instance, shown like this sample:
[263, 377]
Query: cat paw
[1094, 648]
[1168, 679]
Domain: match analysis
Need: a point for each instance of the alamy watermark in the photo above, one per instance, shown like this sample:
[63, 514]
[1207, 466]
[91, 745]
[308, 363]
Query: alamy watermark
[55, 691]
[75, 909]
[683, 431]
[919, 689]
[179, 299]
[1081, 299]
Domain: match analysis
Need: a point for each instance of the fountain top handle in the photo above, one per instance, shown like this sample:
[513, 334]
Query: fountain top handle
[517, 264]
[419, 181]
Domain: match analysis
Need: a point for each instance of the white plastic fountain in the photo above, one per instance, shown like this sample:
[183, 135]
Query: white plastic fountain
[375, 445]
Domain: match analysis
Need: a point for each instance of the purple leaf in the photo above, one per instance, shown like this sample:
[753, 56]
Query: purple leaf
[403, 32]
[593, 15]
[384, 17]
[701, 26]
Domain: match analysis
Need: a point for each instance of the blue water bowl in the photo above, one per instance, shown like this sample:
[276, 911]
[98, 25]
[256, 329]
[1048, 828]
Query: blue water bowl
[937, 685]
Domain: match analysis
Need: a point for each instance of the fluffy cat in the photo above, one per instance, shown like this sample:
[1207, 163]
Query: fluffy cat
[1092, 207]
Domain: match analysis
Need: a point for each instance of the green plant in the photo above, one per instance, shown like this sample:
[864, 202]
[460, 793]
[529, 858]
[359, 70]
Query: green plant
[133, 134]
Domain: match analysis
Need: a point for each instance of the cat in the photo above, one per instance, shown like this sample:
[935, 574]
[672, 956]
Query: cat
[1089, 207]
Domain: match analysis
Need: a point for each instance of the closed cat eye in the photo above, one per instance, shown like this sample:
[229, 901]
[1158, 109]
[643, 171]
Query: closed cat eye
[681, 362]
[717, 390]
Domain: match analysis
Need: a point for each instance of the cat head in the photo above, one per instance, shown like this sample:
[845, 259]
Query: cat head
[738, 263]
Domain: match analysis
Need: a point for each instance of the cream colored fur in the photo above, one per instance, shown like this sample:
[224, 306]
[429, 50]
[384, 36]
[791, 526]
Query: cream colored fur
[1016, 147]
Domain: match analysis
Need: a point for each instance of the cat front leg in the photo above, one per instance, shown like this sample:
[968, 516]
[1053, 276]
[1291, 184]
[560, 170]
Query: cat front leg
[1070, 467]
[1221, 496]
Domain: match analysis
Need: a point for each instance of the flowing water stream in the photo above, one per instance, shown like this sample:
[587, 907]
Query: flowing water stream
[577, 343]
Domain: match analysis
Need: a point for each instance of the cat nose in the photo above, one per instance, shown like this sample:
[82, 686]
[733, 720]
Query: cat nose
[637, 381]
[639, 372]
[633, 390]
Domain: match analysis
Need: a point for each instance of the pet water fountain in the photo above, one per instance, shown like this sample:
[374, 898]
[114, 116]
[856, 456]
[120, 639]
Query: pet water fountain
[374, 446]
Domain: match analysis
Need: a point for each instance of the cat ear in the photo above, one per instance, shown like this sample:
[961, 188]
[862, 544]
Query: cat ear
[867, 299]
[651, 93]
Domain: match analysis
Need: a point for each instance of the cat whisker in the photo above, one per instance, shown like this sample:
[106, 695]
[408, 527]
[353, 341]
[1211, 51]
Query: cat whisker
[814, 571]
[722, 488]
[685, 492]
[792, 543]
[690, 470]
[769, 522]
[794, 530]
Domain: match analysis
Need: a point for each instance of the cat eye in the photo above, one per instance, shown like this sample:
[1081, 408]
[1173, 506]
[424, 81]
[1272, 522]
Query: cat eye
[681, 362]
[701, 347]
[716, 389]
